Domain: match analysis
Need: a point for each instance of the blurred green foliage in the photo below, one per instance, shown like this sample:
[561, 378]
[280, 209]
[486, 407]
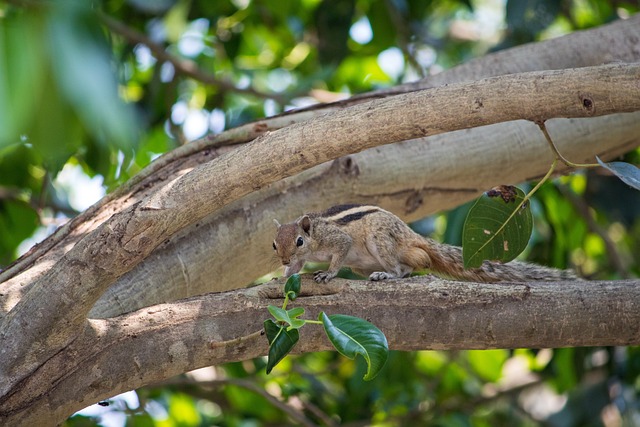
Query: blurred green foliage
[89, 84]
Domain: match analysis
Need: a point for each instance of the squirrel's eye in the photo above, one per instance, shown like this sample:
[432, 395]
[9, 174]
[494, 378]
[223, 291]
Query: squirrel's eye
[274, 246]
[299, 242]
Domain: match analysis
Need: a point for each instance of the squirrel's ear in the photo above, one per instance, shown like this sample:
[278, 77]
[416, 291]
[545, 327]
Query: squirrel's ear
[305, 223]
[276, 223]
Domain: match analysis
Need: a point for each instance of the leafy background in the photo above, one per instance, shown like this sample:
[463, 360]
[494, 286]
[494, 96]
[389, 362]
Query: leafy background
[91, 92]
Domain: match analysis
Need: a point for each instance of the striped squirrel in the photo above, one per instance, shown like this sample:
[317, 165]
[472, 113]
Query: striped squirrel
[378, 244]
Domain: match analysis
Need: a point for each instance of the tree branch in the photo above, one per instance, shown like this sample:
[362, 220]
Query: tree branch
[293, 413]
[615, 42]
[416, 314]
[41, 318]
[186, 67]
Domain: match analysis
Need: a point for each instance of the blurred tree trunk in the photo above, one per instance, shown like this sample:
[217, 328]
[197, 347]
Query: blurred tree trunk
[199, 220]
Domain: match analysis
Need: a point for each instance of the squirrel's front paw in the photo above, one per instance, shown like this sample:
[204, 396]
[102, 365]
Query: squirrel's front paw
[323, 276]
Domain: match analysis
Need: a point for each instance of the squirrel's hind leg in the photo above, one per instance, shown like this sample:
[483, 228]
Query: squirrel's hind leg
[385, 251]
[401, 271]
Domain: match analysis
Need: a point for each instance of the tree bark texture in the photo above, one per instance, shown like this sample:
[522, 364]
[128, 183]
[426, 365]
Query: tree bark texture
[199, 220]
[115, 355]
[368, 173]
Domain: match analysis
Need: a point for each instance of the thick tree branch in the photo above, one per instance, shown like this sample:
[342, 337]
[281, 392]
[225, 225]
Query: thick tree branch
[412, 179]
[85, 272]
[616, 42]
[418, 313]
[47, 346]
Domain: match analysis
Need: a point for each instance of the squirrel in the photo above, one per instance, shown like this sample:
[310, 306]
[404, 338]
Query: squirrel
[375, 243]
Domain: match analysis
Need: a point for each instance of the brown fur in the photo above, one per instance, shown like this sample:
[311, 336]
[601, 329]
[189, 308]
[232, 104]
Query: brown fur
[377, 243]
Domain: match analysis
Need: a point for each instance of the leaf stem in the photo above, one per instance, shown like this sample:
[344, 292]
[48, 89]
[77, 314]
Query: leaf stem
[559, 156]
[525, 199]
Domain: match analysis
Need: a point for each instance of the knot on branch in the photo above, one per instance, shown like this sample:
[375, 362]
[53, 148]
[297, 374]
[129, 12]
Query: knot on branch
[588, 104]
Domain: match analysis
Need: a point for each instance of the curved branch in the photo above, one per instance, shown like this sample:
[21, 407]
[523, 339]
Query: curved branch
[416, 314]
[186, 67]
[42, 316]
[616, 42]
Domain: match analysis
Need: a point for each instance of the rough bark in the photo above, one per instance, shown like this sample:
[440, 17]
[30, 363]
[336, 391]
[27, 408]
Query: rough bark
[76, 282]
[411, 179]
[194, 195]
[114, 355]
[616, 42]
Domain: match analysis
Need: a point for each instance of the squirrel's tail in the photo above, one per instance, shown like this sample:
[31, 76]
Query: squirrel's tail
[446, 260]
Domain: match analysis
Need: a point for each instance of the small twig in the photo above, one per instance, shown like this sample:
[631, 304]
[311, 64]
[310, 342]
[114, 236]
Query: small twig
[9, 193]
[557, 153]
[236, 341]
[292, 412]
[583, 209]
[402, 31]
[42, 200]
[14, 194]
[484, 400]
[319, 413]
[186, 67]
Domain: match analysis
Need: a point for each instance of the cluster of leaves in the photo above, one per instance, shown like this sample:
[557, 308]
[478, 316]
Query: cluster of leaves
[351, 336]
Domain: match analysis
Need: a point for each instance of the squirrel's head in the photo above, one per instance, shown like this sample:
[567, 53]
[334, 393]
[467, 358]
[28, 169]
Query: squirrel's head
[292, 240]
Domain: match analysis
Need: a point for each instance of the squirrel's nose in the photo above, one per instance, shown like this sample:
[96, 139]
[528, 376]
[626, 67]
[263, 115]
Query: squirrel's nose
[286, 262]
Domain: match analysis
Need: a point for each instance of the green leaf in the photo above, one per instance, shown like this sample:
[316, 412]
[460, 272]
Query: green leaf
[488, 363]
[18, 221]
[292, 287]
[296, 324]
[22, 61]
[295, 312]
[288, 317]
[278, 313]
[352, 336]
[281, 341]
[83, 71]
[628, 173]
[494, 230]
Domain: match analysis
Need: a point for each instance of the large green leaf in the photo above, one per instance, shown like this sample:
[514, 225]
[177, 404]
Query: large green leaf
[281, 341]
[352, 336]
[628, 173]
[83, 71]
[23, 72]
[494, 230]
